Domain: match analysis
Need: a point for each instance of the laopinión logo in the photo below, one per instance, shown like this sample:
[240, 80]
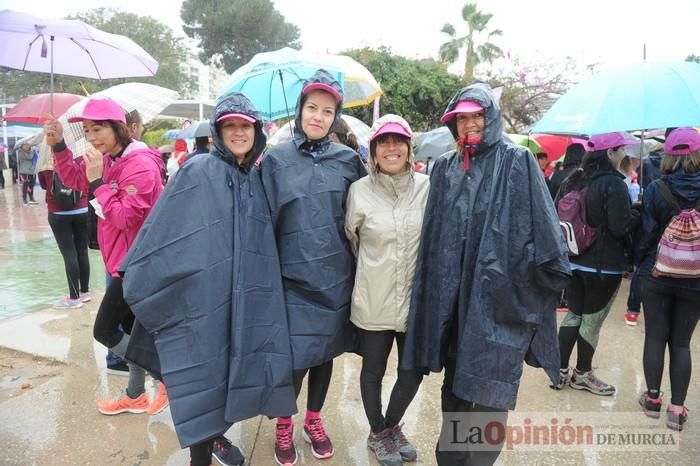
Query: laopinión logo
[491, 431]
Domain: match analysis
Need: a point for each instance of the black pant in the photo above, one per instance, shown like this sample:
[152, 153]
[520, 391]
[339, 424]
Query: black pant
[469, 415]
[590, 297]
[375, 347]
[200, 453]
[15, 174]
[71, 236]
[2, 177]
[670, 317]
[319, 381]
[113, 312]
[28, 187]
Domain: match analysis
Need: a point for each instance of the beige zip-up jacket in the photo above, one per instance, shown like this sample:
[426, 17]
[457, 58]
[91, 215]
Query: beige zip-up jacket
[383, 222]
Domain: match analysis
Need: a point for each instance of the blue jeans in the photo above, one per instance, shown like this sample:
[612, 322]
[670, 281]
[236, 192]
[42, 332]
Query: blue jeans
[634, 300]
[111, 358]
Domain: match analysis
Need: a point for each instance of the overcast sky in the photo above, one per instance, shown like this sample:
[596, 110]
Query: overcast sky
[605, 31]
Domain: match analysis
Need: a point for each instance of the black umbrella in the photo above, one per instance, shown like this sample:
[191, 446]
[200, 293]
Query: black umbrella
[197, 129]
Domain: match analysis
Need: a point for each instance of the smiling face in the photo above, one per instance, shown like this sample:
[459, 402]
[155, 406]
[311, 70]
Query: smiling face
[317, 114]
[101, 136]
[471, 124]
[391, 153]
[238, 135]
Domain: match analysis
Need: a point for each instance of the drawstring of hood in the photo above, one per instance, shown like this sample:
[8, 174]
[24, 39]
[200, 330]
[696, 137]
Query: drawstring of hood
[468, 146]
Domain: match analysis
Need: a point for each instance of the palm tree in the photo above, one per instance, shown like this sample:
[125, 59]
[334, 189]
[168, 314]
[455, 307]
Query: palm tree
[477, 23]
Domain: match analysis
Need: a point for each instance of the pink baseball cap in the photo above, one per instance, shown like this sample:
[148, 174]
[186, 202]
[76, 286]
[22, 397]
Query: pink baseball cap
[609, 140]
[243, 116]
[392, 128]
[682, 141]
[100, 110]
[322, 87]
[463, 106]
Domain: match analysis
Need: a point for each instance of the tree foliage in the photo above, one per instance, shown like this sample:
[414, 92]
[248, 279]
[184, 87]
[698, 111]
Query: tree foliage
[418, 90]
[530, 90]
[230, 32]
[693, 58]
[153, 36]
[476, 53]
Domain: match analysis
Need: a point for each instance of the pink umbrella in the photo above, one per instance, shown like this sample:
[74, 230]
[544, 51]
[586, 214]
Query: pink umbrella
[35, 108]
[70, 47]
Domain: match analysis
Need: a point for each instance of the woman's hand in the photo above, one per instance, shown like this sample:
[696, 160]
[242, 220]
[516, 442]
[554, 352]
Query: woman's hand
[53, 130]
[94, 164]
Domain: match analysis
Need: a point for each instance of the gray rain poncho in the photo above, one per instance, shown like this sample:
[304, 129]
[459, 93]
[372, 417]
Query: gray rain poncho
[491, 265]
[203, 280]
[306, 183]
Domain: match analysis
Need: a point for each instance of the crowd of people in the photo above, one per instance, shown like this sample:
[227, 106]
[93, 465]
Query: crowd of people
[253, 268]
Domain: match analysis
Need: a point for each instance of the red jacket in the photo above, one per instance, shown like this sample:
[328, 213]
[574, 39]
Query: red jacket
[132, 184]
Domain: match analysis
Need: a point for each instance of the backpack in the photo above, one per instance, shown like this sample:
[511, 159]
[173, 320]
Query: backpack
[573, 220]
[678, 253]
[66, 198]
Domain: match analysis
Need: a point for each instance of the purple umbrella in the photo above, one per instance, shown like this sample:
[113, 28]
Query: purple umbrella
[70, 47]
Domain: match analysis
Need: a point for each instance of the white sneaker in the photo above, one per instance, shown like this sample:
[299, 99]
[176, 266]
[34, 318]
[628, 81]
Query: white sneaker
[67, 303]
[85, 297]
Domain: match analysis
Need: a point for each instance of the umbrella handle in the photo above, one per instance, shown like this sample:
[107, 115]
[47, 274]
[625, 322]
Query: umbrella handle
[284, 94]
[52, 41]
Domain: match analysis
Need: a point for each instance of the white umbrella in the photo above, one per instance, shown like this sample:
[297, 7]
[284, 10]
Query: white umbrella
[148, 99]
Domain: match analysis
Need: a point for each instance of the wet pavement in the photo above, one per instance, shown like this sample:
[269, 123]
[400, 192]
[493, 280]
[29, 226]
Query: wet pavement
[53, 420]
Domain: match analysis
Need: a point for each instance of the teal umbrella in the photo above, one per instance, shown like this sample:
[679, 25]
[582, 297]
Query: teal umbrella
[273, 81]
[634, 97]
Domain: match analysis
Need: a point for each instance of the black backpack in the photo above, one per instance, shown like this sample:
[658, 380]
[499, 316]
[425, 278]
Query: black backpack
[66, 198]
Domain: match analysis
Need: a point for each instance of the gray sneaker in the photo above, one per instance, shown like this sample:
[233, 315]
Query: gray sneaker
[67, 303]
[564, 379]
[406, 450]
[588, 381]
[383, 447]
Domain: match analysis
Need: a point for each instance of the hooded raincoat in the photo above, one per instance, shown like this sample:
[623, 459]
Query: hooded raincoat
[306, 183]
[491, 265]
[131, 184]
[204, 283]
[383, 222]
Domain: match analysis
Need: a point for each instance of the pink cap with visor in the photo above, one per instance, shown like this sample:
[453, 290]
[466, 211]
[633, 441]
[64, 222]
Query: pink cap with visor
[682, 141]
[100, 110]
[463, 106]
[242, 116]
[392, 128]
[322, 87]
[609, 140]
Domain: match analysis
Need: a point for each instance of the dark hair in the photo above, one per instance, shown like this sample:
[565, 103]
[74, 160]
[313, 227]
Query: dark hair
[346, 136]
[122, 133]
[541, 155]
[201, 142]
[133, 117]
[581, 177]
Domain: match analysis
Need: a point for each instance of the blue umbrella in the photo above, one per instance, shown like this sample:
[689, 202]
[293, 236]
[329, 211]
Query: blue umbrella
[171, 134]
[633, 97]
[273, 81]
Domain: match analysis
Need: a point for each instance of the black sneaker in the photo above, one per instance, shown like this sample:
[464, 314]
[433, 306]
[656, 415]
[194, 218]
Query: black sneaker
[675, 420]
[227, 453]
[119, 368]
[406, 450]
[652, 406]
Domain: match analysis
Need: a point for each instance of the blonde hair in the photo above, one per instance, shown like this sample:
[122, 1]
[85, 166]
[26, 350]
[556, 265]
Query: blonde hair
[689, 163]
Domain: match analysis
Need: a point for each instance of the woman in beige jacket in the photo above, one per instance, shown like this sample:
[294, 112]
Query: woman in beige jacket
[383, 223]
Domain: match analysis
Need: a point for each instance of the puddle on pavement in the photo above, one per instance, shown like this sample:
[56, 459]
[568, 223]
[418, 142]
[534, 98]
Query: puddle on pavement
[22, 372]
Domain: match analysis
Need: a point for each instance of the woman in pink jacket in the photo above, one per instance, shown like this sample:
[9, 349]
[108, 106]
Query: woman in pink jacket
[125, 177]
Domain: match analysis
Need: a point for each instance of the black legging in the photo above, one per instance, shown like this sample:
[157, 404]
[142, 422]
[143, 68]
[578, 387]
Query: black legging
[28, 187]
[375, 347]
[671, 315]
[319, 381]
[113, 312]
[590, 297]
[71, 236]
[462, 415]
[200, 453]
